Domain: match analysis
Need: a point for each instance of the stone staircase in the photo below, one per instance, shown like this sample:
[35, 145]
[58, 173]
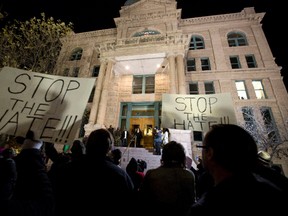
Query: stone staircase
[145, 154]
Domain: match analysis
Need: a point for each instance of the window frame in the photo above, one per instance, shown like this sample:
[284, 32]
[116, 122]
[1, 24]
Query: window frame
[142, 87]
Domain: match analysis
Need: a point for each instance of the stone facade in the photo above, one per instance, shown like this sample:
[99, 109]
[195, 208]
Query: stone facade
[150, 30]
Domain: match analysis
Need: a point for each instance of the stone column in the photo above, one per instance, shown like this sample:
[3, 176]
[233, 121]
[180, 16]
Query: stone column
[218, 51]
[172, 75]
[181, 73]
[104, 95]
[97, 93]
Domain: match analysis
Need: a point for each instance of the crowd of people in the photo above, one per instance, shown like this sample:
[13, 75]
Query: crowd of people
[89, 180]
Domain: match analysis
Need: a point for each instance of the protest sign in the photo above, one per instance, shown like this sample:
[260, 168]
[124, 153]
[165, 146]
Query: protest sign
[197, 112]
[52, 106]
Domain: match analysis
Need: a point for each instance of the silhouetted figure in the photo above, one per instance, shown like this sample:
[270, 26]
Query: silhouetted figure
[263, 169]
[170, 188]
[124, 137]
[138, 136]
[157, 140]
[33, 194]
[133, 171]
[116, 155]
[8, 174]
[229, 154]
[91, 184]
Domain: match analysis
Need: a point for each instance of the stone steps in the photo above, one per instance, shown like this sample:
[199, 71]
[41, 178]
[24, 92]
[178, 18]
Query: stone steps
[147, 155]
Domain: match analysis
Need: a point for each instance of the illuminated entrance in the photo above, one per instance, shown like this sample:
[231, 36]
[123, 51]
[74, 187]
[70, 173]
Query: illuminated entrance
[144, 115]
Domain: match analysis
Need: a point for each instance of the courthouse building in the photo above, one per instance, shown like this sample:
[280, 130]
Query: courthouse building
[153, 51]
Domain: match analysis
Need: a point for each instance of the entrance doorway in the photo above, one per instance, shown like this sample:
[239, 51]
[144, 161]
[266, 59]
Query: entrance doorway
[146, 126]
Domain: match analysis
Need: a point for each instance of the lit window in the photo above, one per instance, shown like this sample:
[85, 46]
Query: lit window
[258, 87]
[241, 90]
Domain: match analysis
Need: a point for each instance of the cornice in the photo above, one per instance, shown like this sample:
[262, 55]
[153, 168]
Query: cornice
[90, 35]
[222, 18]
[148, 16]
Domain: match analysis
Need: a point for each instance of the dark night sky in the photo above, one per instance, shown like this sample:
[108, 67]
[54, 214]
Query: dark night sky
[87, 16]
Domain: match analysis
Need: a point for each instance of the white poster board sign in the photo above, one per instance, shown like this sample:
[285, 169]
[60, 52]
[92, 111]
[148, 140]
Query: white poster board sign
[197, 112]
[51, 106]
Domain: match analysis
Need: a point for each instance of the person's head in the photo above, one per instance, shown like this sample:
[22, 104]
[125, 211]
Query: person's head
[173, 155]
[230, 147]
[116, 155]
[99, 143]
[132, 166]
[78, 148]
[30, 135]
[8, 153]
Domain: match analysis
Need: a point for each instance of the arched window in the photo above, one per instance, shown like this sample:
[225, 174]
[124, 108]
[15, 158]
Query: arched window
[236, 39]
[76, 54]
[196, 42]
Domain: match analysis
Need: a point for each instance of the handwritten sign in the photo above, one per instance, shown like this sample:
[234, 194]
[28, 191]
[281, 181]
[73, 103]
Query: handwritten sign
[197, 112]
[51, 106]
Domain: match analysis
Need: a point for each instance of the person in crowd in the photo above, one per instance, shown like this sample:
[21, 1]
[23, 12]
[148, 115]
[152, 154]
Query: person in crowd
[229, 154]
[142, 165]
[33, 193]
[116, 155]
[157, 140]
[90, 186]
[124, 137]
[169, 188]
[138, 137]
[8, 174]
[64, 173]
[264, 169]
[117, 136]
[203, 180]
[111, 130]
[165, 136]
[133, 171]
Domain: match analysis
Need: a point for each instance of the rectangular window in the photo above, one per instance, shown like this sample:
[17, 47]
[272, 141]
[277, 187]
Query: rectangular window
[235, 63]
[270, 125]
[76, 71]
[248, 117]
[66, 72]
[193, 88]
[95, 71]
[209, 88]
[205, 64]
[143, 84]
[241, 90]
[191, 65]
[251, 62]
[258, 87]
[149, 84]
